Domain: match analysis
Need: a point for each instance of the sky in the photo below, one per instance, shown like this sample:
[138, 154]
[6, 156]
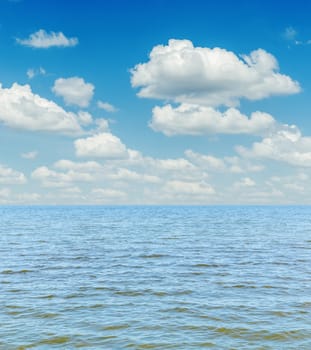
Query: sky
[155, 102]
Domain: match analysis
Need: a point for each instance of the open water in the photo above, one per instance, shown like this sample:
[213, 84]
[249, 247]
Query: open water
[155, 277]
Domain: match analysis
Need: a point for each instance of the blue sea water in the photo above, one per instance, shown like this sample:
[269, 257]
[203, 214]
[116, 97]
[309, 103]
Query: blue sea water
[155, 277]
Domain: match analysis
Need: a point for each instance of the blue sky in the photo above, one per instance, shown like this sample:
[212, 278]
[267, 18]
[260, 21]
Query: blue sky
[156, 102]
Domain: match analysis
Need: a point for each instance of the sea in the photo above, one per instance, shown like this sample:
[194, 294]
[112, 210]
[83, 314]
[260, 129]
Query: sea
[155, 277]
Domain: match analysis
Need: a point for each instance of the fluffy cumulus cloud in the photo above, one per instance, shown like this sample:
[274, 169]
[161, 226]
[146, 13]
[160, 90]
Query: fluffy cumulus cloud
[21, 108]
[74, 91]
[102, 145]
[198, 120]
[184, 73]
[44, 40]
[286, 145]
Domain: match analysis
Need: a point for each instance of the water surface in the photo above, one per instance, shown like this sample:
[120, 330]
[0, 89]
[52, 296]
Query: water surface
[155, 278]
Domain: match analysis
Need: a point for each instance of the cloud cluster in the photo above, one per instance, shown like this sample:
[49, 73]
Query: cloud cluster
[44, 40]
[74, 91]
[21, 108]
[183, 73]
[199, 120]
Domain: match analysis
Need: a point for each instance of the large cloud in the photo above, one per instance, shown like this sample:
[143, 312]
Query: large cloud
[74, 91]
[286, 145]
[199, 120]
[102, 145]
[183, 73]
[21, 108]
[43, 40]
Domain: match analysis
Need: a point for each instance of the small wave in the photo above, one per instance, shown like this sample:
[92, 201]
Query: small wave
[129, 293]
[245, 333]
[147, 346]
[48, 296]
[12, 272]
[201, 265]
[46, 315]
[58, 340]
[115, 327]
[153, 256]
[178, 310]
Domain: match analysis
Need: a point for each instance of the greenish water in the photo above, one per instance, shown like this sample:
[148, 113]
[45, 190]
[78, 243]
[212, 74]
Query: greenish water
[155, 278]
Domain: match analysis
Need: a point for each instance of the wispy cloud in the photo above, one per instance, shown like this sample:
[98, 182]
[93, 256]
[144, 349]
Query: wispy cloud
[290, 33]
[31, 72]
[29, 155]
[44, 40]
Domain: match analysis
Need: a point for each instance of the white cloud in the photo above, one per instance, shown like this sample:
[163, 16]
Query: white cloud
[199, 120]
[74, 91]
[21, 108]
[286, 145]
[44, 40]
[9, 176]
[102, 145]
[183, 73]
[106, 106]
[30, 155]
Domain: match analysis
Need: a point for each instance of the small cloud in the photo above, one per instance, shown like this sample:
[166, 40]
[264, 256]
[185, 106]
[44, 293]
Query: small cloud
[290, 34]
[85, 118]
[74, 91]
[31, 72]
[106, 106]
[44, 40]
[103, 145]
[29, 155]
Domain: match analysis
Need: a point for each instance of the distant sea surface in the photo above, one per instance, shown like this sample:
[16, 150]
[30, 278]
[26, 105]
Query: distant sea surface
[155, 277]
